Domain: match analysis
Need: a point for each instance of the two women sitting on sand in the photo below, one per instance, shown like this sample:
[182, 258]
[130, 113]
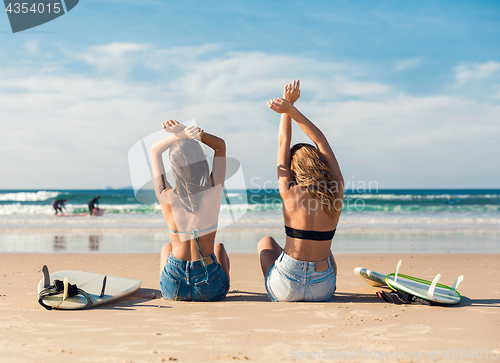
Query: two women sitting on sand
[193, 267]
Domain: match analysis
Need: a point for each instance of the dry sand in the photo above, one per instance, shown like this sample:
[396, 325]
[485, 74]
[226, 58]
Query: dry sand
[355, 327]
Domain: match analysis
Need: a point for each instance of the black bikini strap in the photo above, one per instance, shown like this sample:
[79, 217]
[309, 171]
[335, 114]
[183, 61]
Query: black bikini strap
[312, 235]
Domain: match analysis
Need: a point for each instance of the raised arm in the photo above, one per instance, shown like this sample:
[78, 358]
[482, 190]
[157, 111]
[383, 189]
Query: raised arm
[158, 169]
[317, 136]
[291, 93]
[281, 105]
[219, 146]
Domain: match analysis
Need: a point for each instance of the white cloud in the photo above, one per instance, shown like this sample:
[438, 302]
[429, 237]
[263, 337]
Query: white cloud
[32, 46]
[110, 53]
[114, 58]
[406, 64]
[479, 80]
[65, 129]
[466, 73]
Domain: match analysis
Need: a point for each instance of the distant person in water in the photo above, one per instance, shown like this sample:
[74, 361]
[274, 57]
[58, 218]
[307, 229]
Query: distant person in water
[93, 204]
[450, 200]
[58, 204]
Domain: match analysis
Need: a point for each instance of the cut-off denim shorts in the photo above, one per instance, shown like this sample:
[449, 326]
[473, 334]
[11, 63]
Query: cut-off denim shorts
[293, 280]
[187, 280]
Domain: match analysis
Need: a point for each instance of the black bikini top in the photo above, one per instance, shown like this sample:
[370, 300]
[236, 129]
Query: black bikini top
[312, 235]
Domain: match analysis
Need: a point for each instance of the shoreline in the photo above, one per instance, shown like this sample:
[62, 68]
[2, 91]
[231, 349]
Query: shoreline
[254, 254]
[247, 326]
[244, 240]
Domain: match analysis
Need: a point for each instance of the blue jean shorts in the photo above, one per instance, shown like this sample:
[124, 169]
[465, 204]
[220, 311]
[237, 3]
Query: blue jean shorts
[293, 280]
[187, 280]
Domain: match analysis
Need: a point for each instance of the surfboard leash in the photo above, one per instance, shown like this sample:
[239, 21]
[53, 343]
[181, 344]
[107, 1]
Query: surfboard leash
[52, 291]
[64, 288]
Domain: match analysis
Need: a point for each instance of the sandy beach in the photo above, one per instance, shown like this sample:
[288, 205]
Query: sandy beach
[249, 117]
[355, 327]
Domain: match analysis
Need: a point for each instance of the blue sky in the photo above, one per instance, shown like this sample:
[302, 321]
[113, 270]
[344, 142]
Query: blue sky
[408, 93]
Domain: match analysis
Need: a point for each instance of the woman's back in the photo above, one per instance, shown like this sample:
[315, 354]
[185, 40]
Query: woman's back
[203, 222]
[305, 213]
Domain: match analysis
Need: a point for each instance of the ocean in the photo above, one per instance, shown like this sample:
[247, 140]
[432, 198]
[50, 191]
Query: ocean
[386, 221]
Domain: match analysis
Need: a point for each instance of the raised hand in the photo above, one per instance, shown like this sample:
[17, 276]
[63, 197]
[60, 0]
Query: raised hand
[193, 132]
[173, 126]
[280, 105]
[291, 91]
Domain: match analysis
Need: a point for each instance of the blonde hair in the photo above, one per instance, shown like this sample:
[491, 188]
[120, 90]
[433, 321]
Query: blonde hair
[311, 171]
[191, 175]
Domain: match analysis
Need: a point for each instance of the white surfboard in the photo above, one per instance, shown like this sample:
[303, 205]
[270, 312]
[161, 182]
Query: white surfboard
[371, 277]
[97, 289]
[428, 290]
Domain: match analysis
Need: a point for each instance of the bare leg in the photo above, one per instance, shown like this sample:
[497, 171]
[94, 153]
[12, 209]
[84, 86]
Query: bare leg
[333, 263]
[165, 252]
[268, 250]
[222, 258]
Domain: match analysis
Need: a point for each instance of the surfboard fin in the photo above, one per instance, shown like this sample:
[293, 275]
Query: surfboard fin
[65, 283]
[457, 282]
[103, 286]
[430, 292]
[46, 276]
[397, 271]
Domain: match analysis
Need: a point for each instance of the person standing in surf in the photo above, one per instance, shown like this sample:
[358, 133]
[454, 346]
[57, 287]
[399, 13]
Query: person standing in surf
[58, 204]
[192, 266]
[94, 202]
[312, 188]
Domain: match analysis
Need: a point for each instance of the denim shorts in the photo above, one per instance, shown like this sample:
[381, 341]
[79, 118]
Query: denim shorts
[187, 280]
[293, 280]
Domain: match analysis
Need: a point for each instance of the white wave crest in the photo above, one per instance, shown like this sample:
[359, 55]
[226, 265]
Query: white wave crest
[28, 196]
[18, 208]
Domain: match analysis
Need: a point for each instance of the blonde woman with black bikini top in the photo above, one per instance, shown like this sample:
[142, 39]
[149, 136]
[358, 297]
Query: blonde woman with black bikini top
[311, 187]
